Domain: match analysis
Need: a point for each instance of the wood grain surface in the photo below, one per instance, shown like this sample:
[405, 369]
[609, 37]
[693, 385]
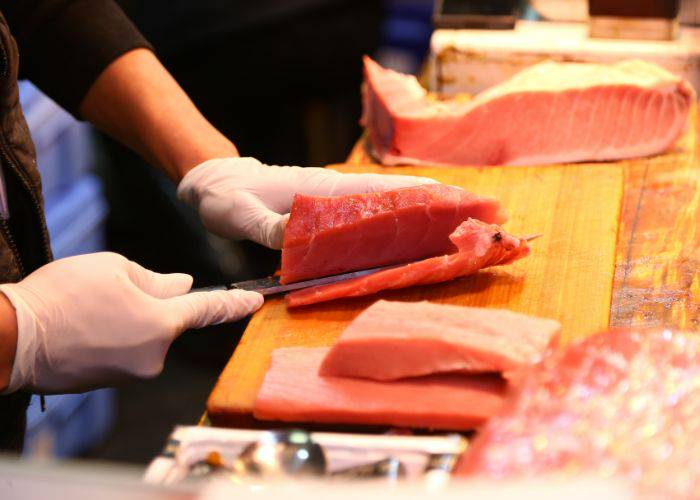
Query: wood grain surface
[657, 267]
[568, 276]
[657, 275]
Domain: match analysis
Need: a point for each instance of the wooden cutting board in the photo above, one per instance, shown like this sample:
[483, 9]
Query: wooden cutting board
[568, 276]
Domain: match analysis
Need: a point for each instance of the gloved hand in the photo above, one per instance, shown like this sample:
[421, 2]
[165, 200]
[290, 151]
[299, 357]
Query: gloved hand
[241, 198]
[90, 320]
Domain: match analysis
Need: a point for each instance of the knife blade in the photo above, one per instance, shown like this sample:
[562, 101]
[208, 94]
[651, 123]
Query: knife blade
[271, 285]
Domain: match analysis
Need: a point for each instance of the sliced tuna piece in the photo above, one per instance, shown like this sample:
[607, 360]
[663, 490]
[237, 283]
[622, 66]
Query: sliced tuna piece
[479, 245]
[394, 340]
[293, 391]
[548, 113]
[621, 403]
[334, 235]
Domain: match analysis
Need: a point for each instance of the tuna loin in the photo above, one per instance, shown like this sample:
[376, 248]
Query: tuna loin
[548, 113]
[393, 340]
[293, 391]
[334, 235]
[479, 245]
[621, 402]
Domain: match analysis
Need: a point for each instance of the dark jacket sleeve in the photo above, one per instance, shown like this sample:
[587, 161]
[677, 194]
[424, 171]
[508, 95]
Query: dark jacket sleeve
[64, 45]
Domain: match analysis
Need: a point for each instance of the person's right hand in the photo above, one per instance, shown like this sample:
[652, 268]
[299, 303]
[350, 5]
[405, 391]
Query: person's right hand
[91, 320]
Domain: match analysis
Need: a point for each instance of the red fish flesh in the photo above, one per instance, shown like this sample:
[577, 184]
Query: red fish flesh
[293, 391]
[334, 235]
[624, 403]
[478, 244]
[394, 340]
[548, 113]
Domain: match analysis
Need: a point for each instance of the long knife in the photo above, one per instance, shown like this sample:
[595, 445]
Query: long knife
[272, 286]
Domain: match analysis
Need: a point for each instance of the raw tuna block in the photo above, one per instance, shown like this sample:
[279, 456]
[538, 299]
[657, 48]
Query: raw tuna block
[548, 113]
[479, 245]
[393, 340]
[333, 235]
[293, 391]
[621, 403]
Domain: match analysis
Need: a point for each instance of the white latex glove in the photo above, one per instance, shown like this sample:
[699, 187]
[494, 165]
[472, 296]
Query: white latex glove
[91, 320]
[241, 198]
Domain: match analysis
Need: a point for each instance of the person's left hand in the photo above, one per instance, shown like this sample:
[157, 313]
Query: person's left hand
[241, 198]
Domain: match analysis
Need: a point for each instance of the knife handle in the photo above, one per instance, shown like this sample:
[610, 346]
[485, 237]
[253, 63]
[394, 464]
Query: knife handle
[209, 289]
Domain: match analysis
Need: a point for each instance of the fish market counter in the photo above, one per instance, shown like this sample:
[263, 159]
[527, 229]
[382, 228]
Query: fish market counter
[620, 247]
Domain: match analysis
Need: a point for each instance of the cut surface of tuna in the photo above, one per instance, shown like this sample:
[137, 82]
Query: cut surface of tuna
[334, 235]
[479, 245]
[624, 403]
[548, 113]
[394, 340]
[293, 391]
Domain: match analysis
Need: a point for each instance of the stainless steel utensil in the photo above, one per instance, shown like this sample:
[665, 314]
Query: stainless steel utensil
[293, 453]
[282, 453]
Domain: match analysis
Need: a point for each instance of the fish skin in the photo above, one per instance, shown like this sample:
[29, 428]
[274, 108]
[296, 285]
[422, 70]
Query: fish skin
[478, 244]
